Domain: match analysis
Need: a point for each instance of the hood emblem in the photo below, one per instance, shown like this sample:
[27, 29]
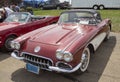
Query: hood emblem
[37, 49]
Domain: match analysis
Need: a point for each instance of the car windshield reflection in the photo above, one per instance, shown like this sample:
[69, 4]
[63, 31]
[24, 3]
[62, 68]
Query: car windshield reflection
[17, 17]
[77, 17]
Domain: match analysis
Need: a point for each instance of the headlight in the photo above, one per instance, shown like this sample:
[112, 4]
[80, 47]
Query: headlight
[59, 55]
[15, 45]
[68, 57]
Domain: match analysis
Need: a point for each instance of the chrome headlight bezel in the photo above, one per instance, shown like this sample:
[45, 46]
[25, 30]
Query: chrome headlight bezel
[64, 55]
[15, 45]
[68, 57]
[59, 55]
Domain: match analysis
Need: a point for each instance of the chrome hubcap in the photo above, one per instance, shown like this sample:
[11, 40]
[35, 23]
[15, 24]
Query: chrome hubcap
[7, 43]
[95, 7]
[85, 60]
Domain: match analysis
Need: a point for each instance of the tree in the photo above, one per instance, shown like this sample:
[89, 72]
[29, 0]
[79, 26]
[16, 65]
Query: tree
[9, 2]
[1, 3]
[15, 1]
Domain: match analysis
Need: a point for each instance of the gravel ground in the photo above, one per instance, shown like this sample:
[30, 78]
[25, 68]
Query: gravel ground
[104, 67]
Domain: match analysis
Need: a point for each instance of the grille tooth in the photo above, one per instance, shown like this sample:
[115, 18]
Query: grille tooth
[42, 62]
[34, 59]
[37, 60]
[27, 57]
[30, 58]
[47, 63]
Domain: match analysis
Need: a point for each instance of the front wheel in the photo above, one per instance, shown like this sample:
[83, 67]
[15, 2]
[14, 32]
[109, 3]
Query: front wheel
[85, 58]
[7, 46]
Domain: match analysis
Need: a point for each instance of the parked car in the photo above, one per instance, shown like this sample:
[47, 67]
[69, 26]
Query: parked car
[54, 5]
[63, 47]
[19, 23]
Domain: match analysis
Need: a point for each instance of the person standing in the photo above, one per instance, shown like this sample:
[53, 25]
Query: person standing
[2, 15]
[5, 14]
[16, 8]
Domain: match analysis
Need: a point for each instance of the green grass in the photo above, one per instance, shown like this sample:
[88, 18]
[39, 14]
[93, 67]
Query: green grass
[48, 12]
[114, 15]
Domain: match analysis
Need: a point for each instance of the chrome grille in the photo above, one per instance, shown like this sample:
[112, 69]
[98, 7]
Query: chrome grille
[40, 61]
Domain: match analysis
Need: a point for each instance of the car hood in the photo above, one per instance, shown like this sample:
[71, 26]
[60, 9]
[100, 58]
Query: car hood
[60, 34]
[6, 25]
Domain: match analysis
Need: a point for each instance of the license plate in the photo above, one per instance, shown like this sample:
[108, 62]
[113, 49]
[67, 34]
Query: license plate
[32, 68]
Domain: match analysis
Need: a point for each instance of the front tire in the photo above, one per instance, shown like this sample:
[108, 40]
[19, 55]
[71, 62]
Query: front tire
[85, 58]
[6, 46]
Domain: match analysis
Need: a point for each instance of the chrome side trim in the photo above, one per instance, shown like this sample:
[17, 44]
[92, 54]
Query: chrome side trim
[64, 70]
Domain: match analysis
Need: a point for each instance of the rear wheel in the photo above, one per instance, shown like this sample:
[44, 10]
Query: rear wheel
[7, 46]
[95, 7]
[85, 58]
[101, 7]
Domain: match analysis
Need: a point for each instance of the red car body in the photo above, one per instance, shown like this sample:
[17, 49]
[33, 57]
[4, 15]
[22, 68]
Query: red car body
[65, 46]
[12, 29]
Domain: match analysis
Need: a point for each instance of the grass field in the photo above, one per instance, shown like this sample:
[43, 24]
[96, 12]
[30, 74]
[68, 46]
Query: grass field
[114, 15]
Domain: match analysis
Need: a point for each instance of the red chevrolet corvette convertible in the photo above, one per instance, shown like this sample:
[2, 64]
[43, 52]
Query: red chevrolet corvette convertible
[63, 47]
[19, 23]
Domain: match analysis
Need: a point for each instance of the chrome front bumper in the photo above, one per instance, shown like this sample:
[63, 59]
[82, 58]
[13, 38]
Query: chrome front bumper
[65, 70]
[52, 68]
[14, 55]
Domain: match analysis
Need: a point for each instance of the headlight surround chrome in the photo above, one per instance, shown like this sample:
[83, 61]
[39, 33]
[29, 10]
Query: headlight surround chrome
[68, 57]
[59, 55]
[15, 45]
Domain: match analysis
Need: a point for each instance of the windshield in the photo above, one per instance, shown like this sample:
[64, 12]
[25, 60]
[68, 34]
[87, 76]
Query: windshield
[75, 17]
[17, 17]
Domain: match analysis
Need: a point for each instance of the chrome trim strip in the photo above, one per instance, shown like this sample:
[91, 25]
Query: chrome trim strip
[64, 70]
